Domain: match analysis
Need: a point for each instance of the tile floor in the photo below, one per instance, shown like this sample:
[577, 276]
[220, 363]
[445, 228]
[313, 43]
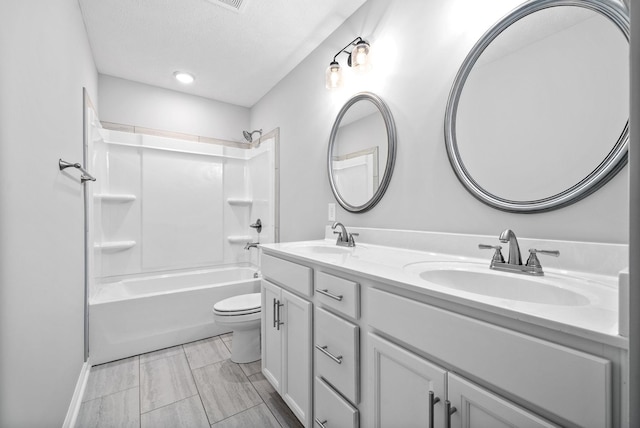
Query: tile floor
[191, 385]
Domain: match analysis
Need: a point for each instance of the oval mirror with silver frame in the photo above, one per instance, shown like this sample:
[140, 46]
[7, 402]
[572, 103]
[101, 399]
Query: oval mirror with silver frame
[362, 152]
[537, 117]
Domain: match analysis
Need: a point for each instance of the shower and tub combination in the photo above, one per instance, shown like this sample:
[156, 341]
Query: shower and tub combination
[169, 223]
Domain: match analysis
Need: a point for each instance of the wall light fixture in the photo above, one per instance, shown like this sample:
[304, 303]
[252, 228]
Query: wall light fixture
[358, 59]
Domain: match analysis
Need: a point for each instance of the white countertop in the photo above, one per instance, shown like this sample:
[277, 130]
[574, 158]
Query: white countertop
[596, 320]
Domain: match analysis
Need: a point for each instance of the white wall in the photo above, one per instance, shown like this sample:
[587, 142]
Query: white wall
[418, 47]
[132, 103]
[46, 60]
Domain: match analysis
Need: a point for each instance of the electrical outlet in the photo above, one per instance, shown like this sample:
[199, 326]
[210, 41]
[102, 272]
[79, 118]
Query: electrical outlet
[332, 212]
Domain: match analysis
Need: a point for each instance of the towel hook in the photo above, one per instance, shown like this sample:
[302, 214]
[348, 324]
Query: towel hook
[85, 175]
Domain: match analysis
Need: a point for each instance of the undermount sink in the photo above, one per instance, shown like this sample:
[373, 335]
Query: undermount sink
[477, 279]
[322, 249]
[326, 250]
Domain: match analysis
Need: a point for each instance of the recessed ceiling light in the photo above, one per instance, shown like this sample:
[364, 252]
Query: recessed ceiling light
[184, 77]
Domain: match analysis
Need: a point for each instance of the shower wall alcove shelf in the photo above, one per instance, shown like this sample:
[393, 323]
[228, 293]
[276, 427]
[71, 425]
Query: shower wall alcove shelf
[241, 202]
[116, 198]
[113, 246]
[239, 239]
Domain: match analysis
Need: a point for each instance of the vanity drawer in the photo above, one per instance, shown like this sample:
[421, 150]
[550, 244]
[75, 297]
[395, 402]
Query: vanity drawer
[338, 293]
[331, 410]
[291, 275]
[337, 353]
[571, 384]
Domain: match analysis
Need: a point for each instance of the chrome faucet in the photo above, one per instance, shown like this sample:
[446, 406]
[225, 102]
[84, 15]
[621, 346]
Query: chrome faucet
[250, 245]
[345, 239]
[514, 248]
[514, 262]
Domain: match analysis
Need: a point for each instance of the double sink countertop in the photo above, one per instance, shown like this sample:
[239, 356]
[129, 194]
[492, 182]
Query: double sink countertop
[580, 303]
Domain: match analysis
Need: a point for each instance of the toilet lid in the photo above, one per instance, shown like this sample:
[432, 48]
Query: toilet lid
[242, 303]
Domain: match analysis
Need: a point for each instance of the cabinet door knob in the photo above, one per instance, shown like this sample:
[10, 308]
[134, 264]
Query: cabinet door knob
[328, 294]
[321, 423]
[432, 401]
[323, 349]
[448, 411]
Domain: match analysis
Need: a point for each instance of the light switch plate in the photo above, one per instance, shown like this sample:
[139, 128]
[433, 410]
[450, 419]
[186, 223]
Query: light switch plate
[332, 212]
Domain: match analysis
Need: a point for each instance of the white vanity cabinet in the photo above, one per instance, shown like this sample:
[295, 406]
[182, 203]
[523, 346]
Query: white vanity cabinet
[287, 335]
[346, 348]
[570, 384]
[410, 391]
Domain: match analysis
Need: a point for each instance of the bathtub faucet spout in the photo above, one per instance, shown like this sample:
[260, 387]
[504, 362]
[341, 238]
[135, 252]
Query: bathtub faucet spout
[250, 245]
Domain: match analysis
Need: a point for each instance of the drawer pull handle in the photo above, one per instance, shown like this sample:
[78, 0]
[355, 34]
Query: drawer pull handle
[323, 349]
[333, 296]
[321, 423]
[448, 411]
[432, 401]
[275, 320]
[278, 322]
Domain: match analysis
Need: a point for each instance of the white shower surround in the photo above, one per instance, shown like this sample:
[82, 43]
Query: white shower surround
[169, 236]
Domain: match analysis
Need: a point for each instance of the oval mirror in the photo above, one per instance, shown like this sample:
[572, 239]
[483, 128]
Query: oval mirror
[362, 151]
[538, 114]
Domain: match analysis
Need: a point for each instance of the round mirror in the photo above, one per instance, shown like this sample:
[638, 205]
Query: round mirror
[362, 150]
[538, 114]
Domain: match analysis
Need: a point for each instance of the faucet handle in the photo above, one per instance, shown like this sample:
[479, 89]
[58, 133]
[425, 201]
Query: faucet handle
[257, 225]
[352, 242]
[497, 256]
[533, 261]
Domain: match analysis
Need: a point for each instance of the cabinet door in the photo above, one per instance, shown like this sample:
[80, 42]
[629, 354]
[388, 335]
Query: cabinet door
[296, 315]
[479, 408]
[271, 335]
[401, 385]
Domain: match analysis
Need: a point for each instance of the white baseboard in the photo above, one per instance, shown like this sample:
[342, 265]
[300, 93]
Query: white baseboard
[76, 400]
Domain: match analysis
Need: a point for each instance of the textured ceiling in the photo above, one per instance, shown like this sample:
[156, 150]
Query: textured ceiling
[235, 57]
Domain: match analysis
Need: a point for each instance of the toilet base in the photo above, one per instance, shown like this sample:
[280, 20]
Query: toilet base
[245, 345]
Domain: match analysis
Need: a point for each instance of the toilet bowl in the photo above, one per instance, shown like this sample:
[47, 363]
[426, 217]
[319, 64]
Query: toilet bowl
[241, 314]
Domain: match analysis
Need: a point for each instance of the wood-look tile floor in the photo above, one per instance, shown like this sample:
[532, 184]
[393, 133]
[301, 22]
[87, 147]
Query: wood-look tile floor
[192, 385]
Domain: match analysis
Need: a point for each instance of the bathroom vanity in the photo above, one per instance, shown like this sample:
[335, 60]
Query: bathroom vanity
[420, 332]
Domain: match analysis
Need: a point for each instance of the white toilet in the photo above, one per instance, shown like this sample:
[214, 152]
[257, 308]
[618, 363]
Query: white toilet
[242, 315]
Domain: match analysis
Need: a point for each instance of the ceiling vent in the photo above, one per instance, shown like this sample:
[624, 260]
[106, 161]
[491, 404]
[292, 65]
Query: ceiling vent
[237, 6]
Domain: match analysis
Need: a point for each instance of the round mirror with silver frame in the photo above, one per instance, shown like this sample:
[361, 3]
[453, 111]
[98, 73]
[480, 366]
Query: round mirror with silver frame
[498, 141]
[362, 152]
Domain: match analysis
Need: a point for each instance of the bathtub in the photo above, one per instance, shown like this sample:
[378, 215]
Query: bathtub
[143, 314]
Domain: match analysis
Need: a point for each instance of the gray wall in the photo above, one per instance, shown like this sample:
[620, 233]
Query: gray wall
[132, 103]
[418, 47]
[46, 60]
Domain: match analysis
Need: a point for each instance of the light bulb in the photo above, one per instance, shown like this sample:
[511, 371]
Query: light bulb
[184, 77]
[360, 56]
[333, 76]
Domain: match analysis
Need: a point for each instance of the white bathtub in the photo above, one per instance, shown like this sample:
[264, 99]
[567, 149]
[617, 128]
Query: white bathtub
[143, 314]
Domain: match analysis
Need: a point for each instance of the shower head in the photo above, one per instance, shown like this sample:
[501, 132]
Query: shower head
[249, 135]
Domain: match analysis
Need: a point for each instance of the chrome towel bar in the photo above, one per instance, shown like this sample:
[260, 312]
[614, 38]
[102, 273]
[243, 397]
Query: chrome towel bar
[85, 175]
